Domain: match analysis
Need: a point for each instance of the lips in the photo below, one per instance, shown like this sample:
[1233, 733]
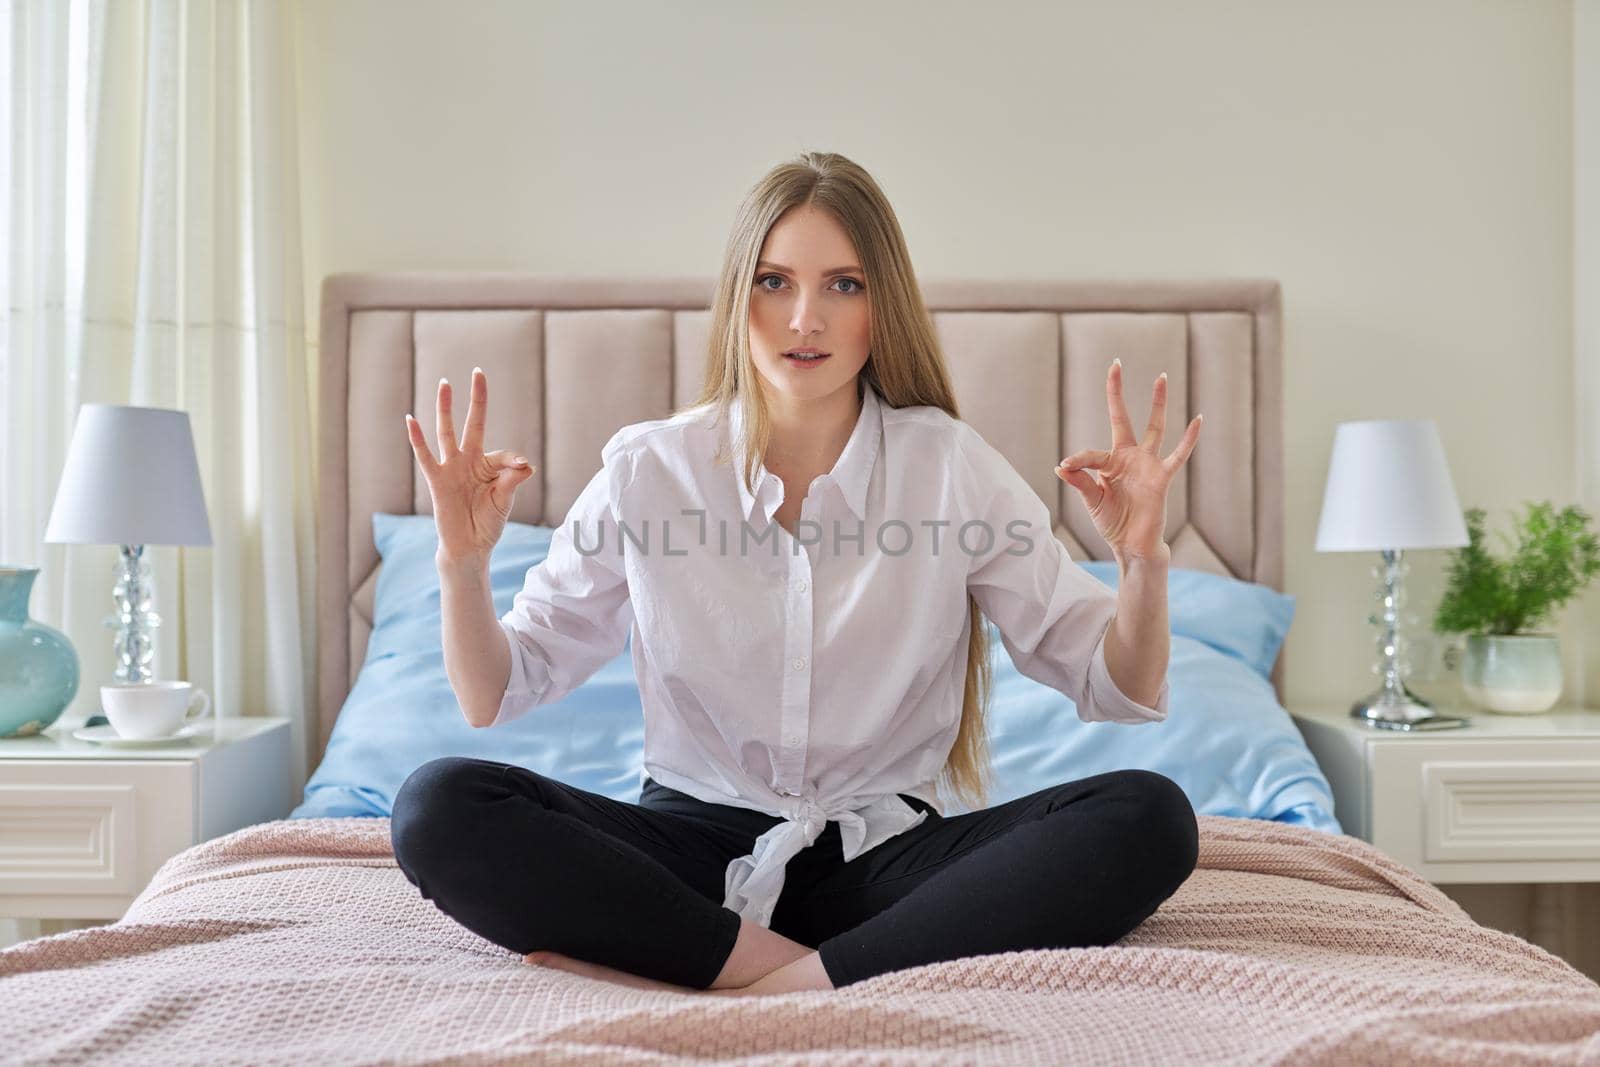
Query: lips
[806, 357]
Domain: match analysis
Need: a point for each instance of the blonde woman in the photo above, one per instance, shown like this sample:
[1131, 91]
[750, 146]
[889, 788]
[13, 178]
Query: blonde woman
[804, 558]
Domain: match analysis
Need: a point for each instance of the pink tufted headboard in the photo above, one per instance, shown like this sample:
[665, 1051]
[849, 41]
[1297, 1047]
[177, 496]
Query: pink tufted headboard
[570, 360]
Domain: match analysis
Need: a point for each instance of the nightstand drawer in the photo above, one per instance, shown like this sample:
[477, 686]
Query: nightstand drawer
[86, 836]
[1512, 810]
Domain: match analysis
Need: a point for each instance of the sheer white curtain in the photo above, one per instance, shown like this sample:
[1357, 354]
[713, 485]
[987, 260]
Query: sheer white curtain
[152, 230]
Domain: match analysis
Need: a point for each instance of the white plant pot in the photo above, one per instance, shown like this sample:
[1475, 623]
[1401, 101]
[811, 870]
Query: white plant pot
[1517, 674]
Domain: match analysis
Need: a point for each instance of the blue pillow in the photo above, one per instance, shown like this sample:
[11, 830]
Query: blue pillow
[1226, 740]
[401, 711]
[1242, 619]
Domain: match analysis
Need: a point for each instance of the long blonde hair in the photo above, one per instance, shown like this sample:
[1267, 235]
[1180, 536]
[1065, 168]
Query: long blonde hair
[905, 365]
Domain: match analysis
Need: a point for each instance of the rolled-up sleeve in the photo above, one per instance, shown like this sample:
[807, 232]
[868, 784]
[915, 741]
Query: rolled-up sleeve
[1053, 616]
[573, 612]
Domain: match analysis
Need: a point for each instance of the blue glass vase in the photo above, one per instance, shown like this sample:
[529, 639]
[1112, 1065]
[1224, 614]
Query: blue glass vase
[38, 665]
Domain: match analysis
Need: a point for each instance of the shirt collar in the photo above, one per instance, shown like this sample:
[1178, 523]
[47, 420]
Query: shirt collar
[851, 472]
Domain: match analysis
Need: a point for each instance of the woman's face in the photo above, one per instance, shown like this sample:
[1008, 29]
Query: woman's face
[809, 292]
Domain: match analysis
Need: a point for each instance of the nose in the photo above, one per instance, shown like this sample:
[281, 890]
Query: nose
[805, 321]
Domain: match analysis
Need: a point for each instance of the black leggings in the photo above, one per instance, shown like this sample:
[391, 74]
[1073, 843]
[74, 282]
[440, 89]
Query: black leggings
[531, 863]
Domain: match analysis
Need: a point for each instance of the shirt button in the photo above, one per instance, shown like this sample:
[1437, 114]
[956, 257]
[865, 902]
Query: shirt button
[800, 585]
[794, 739]
[799, 664]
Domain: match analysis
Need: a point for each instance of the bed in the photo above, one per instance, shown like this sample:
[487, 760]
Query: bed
[299, 940]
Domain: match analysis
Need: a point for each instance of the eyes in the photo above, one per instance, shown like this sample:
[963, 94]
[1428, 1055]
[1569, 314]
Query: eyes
[847, 292]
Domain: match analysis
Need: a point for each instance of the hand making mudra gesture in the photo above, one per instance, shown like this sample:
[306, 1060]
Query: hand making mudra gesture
[471, 489]
[1125, 488]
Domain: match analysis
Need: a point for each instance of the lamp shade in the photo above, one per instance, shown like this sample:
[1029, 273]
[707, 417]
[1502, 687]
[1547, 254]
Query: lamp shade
[131, 478]
[1389, 487]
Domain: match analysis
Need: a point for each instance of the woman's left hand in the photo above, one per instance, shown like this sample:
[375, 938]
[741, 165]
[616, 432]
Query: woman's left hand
[1125, 489]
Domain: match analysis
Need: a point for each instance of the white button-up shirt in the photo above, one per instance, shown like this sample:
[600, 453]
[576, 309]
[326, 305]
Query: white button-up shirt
[817, 675]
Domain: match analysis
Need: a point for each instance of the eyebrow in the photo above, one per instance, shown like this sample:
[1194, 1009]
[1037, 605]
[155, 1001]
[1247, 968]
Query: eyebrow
[825, 274]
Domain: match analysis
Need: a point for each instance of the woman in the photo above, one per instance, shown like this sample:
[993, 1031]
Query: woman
[804, 695]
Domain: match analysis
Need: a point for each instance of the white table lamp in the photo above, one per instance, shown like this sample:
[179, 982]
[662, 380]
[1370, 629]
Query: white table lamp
[131, 479]
[1389, 489]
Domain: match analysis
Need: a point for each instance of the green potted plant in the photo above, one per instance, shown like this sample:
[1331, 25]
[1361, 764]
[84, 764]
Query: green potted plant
[1509, 665]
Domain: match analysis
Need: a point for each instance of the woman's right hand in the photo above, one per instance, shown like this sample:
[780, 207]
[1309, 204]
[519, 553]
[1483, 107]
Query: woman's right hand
[471, 490]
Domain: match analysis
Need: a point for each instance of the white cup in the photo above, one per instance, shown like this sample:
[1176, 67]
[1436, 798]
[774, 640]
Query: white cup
[148, 710]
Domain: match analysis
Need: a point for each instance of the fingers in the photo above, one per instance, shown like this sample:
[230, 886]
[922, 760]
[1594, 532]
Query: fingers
[1180, 455]
[512, 471]
[446, 427]
[1121, 425]
[1087, 486]
[1156, 428]
[504, 457]
[419, 446]
[1089, 457]
[477, 412]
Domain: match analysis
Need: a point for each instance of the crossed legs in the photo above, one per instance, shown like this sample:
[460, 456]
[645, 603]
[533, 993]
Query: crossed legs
[622, 892]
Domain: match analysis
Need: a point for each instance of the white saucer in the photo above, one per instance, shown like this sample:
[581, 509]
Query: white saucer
[106, 734]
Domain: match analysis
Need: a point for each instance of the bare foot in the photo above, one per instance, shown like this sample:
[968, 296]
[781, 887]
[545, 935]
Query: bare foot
[606, 974]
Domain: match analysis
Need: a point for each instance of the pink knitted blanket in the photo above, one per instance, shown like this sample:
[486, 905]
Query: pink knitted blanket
[300, 942]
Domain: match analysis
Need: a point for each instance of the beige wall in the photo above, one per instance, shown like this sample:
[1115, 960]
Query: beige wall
[1586, 305]
[1404, 168]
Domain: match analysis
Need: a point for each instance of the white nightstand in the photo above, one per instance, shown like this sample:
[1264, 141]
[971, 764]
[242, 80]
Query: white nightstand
[83, 826]
[1507, 798]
